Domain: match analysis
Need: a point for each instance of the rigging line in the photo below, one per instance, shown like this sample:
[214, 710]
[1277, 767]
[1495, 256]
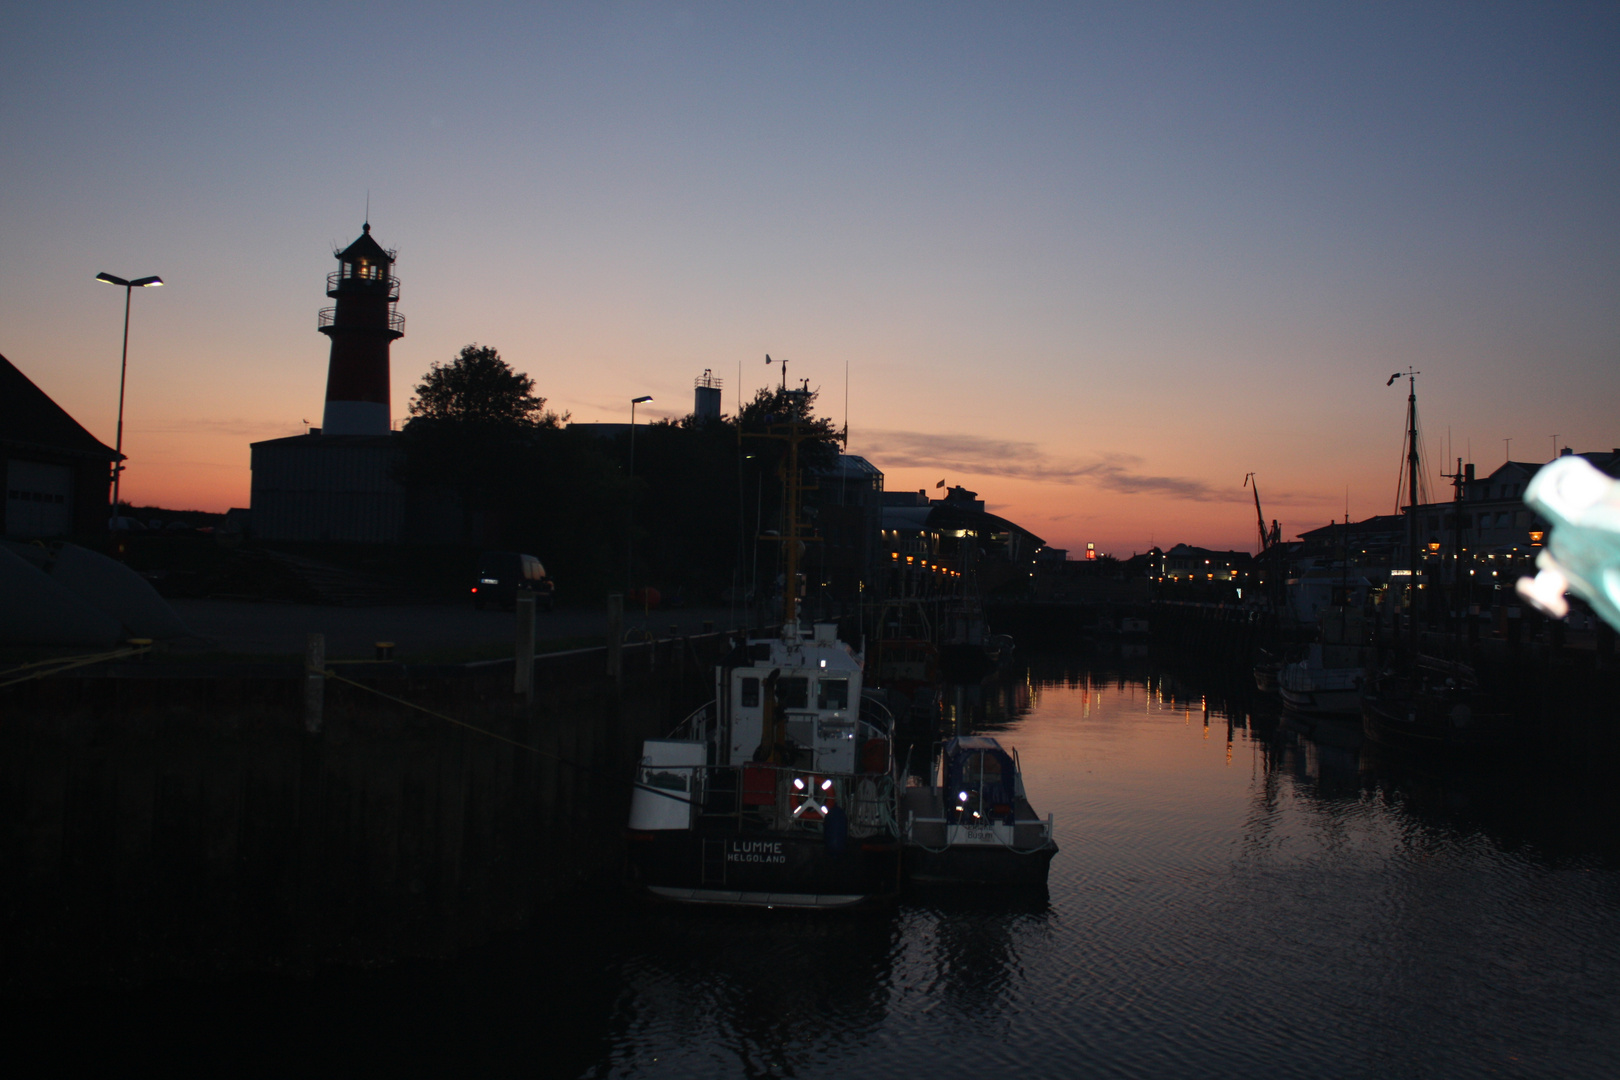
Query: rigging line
[448, 719]
[78, 662]
[502, 738]
[56, 660]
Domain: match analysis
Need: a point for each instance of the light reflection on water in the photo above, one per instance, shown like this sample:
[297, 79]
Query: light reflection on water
[1232, 893]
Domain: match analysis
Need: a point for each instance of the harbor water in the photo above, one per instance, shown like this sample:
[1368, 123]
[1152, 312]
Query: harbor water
[1238, 893]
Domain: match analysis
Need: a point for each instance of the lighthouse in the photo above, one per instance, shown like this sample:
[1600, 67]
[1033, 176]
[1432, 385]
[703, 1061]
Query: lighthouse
[340, 482]
[362, 325]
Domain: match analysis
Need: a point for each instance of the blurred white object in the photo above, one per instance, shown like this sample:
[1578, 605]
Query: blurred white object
[1582, 508]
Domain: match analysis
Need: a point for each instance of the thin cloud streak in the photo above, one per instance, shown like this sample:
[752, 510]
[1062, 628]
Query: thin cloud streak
[265, 429]
[1020, 460]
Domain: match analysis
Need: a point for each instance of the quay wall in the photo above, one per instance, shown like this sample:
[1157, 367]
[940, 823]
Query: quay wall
[167, 819]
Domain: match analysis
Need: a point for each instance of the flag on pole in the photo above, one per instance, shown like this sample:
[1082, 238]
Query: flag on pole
[940, 484]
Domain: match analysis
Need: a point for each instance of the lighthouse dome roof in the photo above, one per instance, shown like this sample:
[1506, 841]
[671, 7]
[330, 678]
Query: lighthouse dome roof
[365, 248]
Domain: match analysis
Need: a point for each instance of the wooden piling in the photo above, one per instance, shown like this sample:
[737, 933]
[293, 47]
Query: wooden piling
[615, 637]
[314, 682]
[523, 672]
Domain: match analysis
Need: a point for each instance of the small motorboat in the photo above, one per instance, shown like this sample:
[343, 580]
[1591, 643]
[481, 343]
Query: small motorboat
[1312, 686]
[974, 824]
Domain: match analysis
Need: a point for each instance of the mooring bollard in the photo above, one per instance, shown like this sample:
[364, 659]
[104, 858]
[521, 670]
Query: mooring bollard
[314, 682]
[615, 636]
[523, 673]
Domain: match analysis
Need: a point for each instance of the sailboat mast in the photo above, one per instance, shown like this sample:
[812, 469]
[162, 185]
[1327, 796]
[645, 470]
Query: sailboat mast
[1412, 498]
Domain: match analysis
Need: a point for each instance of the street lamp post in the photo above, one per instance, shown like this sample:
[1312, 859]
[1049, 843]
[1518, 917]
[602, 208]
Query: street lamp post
[630, 533]
[123, 368]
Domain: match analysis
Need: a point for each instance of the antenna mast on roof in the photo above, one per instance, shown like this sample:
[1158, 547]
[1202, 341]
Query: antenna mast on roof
[846, 405]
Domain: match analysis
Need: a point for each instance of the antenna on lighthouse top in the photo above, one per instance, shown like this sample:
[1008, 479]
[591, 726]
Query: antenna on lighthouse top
[367, 227]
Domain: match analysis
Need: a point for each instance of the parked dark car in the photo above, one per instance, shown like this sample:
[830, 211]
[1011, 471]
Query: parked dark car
[503, 575]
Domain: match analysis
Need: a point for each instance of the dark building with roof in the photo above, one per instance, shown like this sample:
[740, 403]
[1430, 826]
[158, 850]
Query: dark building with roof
[57, 474]
[848, 563]
[954, 536]
[1490, 518]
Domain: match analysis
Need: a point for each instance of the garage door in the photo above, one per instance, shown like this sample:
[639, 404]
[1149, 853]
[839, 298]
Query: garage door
[39, 499]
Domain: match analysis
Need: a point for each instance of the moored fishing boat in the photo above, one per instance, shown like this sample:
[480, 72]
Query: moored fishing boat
[780, 792]
[1425, 703]
[1436, 706]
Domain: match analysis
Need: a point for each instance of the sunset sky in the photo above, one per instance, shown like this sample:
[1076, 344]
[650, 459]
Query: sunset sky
[1096, 262]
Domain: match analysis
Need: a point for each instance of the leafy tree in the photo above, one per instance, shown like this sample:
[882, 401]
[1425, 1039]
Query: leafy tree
[472, 427]
[479, 387]
[776, 406]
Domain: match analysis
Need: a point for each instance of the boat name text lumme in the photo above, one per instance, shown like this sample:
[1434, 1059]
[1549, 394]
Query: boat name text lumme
[755, 851]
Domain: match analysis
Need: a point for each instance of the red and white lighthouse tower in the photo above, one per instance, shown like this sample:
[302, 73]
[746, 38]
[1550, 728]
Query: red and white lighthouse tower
[362, 326]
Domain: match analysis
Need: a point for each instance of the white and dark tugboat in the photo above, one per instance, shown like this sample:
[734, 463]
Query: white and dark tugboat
[974, 823]
[780, 792]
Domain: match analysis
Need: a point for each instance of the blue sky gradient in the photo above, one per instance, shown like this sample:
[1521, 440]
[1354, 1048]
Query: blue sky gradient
[1095, 261]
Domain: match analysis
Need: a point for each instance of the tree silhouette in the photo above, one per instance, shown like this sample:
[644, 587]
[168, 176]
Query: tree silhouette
[479, 387]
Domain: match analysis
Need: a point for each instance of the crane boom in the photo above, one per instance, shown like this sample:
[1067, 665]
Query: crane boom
[1259, 518]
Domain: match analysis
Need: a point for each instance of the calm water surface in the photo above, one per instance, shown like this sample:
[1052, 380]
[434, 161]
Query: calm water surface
[1232, 894]
[1235, 895]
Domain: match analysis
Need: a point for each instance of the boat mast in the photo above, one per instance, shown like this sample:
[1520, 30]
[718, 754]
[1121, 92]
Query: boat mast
[1459, 601]
[790, 531]
[793, 534]
[1411, 502]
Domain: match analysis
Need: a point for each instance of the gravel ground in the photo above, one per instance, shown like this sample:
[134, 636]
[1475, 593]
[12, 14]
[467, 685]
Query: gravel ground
[438, 631]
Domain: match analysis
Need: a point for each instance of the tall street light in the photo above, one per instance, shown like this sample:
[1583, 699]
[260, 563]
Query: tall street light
[630, 535]
[123, 368]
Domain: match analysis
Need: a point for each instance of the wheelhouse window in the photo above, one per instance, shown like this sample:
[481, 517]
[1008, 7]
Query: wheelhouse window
[750, 693]
[794, 692]
[832, 693]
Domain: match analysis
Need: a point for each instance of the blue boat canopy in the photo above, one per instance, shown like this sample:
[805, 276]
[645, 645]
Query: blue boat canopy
[977, 767]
